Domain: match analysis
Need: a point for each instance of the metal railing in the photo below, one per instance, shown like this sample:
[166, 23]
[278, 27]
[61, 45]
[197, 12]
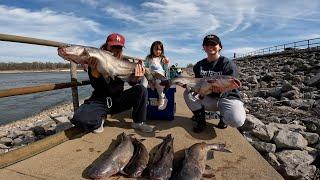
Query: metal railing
[298, 45]
[47, 87]
[39, 146]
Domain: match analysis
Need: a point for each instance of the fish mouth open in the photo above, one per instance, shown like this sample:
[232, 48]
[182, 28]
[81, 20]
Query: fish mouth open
[61, 51]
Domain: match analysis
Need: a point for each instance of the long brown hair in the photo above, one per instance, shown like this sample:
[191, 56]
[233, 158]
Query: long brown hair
[104, 46]
[153, 45]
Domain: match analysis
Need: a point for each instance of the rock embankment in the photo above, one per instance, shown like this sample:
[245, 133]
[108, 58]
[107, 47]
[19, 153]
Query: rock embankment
[282, 97]
[23, 132]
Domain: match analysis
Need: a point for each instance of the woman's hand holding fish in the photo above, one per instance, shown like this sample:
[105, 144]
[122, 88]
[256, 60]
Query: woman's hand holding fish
[224, 85]
[92, 63]
[217, 86]
[139, 70]
[165, 60]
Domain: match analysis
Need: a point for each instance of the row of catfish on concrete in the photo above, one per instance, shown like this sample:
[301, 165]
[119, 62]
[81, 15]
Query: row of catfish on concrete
[130, 158]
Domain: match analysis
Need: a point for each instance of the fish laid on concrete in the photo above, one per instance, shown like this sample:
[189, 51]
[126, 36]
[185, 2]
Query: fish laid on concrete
[161, 165]
[194, 163]
[138, 161]
[205, 86]
[107, 64]
[112, 163]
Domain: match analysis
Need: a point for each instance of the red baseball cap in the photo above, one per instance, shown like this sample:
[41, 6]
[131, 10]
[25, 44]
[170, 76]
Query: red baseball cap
[115, 39]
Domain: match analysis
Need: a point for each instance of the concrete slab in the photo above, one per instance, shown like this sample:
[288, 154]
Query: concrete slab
[69, 159]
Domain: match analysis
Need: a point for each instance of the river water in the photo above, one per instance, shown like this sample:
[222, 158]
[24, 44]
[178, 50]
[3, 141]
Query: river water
[22, 106]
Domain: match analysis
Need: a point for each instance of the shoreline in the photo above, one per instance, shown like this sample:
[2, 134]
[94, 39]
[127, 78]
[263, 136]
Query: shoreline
[16, 134]
[36, 71]
[45, 115]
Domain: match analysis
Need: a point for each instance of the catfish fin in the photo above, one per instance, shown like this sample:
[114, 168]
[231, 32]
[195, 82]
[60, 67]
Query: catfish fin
[148, 74]
[219, 147]
[162, 137]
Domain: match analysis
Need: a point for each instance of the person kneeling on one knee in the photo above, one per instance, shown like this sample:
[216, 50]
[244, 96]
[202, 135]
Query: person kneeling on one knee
[229, 103]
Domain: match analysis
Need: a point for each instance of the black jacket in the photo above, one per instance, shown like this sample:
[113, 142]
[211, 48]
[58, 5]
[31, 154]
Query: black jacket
[223, 66]
[106, 88]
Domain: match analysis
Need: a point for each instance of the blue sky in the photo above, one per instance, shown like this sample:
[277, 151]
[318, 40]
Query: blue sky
[242, 25]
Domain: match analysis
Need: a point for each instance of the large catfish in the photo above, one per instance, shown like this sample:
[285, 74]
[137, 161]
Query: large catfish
[205, 86]
[194, 163]
[110, 164]
[161, 165]
[138, 161]
[107, 64]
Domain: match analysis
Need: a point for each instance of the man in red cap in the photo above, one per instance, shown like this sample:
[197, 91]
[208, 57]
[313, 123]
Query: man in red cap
[114, 43]
[109, 96]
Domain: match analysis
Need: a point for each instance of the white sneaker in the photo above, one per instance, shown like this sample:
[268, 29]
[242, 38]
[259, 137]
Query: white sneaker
[100, 129]
[162, 103]
[142, 127]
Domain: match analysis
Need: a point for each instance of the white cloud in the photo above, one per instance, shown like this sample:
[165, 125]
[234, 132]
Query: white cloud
[181, 50]
[179, 24]
[166, 15]
[175, 22]
[241, 50]
[122, 13]
[308, 36]
[93, 3]
[10, 52]
[43, 24]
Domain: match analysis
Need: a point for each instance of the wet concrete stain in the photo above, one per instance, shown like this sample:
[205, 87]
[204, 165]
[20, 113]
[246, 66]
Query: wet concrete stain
[231, 164]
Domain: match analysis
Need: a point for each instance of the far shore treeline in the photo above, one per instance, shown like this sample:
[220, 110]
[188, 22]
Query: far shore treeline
[37, 66]
[33, 66]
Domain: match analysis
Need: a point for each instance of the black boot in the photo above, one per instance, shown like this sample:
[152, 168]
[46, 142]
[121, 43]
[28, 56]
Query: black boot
[199, 120]
[221, 124]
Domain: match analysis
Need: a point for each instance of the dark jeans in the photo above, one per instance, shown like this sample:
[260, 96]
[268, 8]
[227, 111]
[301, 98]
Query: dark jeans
[136, 98]
[88, 115]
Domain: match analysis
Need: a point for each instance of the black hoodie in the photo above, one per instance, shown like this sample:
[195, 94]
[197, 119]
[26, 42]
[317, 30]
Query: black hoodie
[106, 88]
